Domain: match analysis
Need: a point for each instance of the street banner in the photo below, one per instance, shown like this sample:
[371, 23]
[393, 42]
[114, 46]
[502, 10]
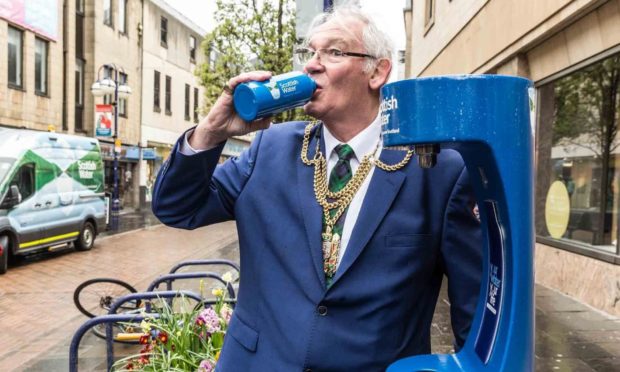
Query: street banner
[103, 120]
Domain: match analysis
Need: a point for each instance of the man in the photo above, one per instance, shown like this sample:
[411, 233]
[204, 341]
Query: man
[338, 277]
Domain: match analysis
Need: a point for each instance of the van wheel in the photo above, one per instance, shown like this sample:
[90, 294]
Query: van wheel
[4, 256]
[86, 240]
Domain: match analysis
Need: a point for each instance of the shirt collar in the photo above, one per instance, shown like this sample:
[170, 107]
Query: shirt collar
[362, 144]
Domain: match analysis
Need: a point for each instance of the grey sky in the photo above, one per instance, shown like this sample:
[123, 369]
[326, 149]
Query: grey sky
[388, 14]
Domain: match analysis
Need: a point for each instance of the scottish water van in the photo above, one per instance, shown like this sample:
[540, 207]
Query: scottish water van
[51, 192]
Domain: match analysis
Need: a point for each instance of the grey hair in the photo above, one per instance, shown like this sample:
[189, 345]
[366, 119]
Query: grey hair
[376, 42]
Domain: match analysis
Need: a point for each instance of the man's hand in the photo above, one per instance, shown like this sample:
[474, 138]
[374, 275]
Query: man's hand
[222, 122]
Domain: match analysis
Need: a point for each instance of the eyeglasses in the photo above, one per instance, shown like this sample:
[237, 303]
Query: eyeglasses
[331, 55]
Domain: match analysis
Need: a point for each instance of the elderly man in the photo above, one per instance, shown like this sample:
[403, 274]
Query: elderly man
[343, 244]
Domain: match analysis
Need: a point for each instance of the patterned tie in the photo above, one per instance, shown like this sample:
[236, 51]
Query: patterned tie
[338, 178]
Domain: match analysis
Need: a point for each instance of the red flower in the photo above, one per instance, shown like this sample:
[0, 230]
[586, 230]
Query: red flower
[144, 339]
[163, 337]
[129, 366]
[146, 349]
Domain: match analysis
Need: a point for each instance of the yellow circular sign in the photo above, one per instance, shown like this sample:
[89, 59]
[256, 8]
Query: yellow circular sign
[557, 209]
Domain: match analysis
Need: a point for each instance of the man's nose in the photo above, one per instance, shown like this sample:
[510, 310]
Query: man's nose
[313, 65]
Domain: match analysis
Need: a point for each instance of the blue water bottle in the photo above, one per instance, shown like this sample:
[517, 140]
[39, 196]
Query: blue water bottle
[259, 99]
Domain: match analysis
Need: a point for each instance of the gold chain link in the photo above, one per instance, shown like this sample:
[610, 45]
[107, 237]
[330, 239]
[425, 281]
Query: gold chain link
[342, 198]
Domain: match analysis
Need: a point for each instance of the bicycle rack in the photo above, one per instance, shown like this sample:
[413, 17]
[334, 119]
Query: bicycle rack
[90, 323]
[176, 267]
[169, 278]
[112, 317]
[109, 339]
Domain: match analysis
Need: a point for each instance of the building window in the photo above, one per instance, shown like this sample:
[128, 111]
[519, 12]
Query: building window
[40, 66]
[168, 95]
[108, 72]
[429, 14]
[122, 102]
[195, 105]
[156, 85]
[192, 49]
[79, 28]
[107, 12]
[15, 57]
[79, 94]
[578, 168]
[164, 32]
[187, 117]
[212, 57]
[122, 21]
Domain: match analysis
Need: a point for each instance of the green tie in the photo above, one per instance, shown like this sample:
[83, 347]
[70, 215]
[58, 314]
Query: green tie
[338, 178]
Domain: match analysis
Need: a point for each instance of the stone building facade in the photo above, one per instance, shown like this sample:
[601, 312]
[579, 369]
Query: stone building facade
[571, 51]
[21, 104]
[86, 41]
[171, 52]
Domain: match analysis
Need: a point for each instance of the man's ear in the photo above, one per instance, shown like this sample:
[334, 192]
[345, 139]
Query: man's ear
[380, 74]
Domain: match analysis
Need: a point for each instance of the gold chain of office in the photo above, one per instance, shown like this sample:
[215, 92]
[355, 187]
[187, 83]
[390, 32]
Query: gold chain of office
[341, 199]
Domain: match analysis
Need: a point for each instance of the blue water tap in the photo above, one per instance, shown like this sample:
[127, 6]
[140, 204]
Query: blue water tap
[487, 119]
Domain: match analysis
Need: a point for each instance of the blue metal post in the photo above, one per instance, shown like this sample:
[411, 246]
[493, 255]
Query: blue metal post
[116, 203]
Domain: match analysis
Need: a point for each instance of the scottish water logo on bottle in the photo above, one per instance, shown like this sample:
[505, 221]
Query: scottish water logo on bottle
[259, 99]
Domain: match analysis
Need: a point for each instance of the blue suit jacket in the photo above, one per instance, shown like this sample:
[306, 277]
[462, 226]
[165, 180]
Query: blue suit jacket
[415, 226]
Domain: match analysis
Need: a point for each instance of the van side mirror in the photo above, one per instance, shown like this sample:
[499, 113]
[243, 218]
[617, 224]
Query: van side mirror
[12, 198]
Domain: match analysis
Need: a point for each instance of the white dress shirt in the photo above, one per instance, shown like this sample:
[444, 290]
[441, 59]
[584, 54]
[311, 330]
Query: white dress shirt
[364, 143]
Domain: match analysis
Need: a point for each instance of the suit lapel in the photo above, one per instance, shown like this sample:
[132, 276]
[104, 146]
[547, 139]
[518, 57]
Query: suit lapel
[383, 188]
[311, 210]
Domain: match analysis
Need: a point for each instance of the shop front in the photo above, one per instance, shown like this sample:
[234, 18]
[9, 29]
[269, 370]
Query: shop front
[127, 172]
[153, 157]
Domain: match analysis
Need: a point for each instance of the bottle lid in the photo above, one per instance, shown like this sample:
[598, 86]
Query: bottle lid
[245, 102]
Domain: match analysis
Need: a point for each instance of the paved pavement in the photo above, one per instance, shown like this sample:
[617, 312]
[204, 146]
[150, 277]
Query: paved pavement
[569, 335]
[37, 314]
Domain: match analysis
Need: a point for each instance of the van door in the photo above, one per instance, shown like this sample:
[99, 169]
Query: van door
[58, 194]
[25, 217]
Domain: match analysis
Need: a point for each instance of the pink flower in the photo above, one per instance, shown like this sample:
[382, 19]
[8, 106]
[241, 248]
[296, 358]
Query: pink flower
[210, 319]
[206, 366]
[226, 313]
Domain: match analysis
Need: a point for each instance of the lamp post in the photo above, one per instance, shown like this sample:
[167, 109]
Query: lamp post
[102, 87]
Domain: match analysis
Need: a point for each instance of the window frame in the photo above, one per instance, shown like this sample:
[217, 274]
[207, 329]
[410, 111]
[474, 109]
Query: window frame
[109, 19]
[79, 94]
[429, 15]
[156, 91]
[574, 246]
[196, 99]
[168, 95]
[122, 17]
[122, 102]
[79, 6]
[192, 48]
[163, 32]
[187, 105]
[45, 63]
[108, 72]
[19, 73]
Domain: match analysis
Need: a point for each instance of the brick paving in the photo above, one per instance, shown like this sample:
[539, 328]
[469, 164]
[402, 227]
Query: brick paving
[37, 314]
[38, 318]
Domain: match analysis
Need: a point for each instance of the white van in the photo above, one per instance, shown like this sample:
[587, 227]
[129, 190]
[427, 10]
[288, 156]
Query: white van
[51, 192]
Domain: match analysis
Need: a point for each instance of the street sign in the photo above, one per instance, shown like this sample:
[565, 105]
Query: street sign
[117, 145]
